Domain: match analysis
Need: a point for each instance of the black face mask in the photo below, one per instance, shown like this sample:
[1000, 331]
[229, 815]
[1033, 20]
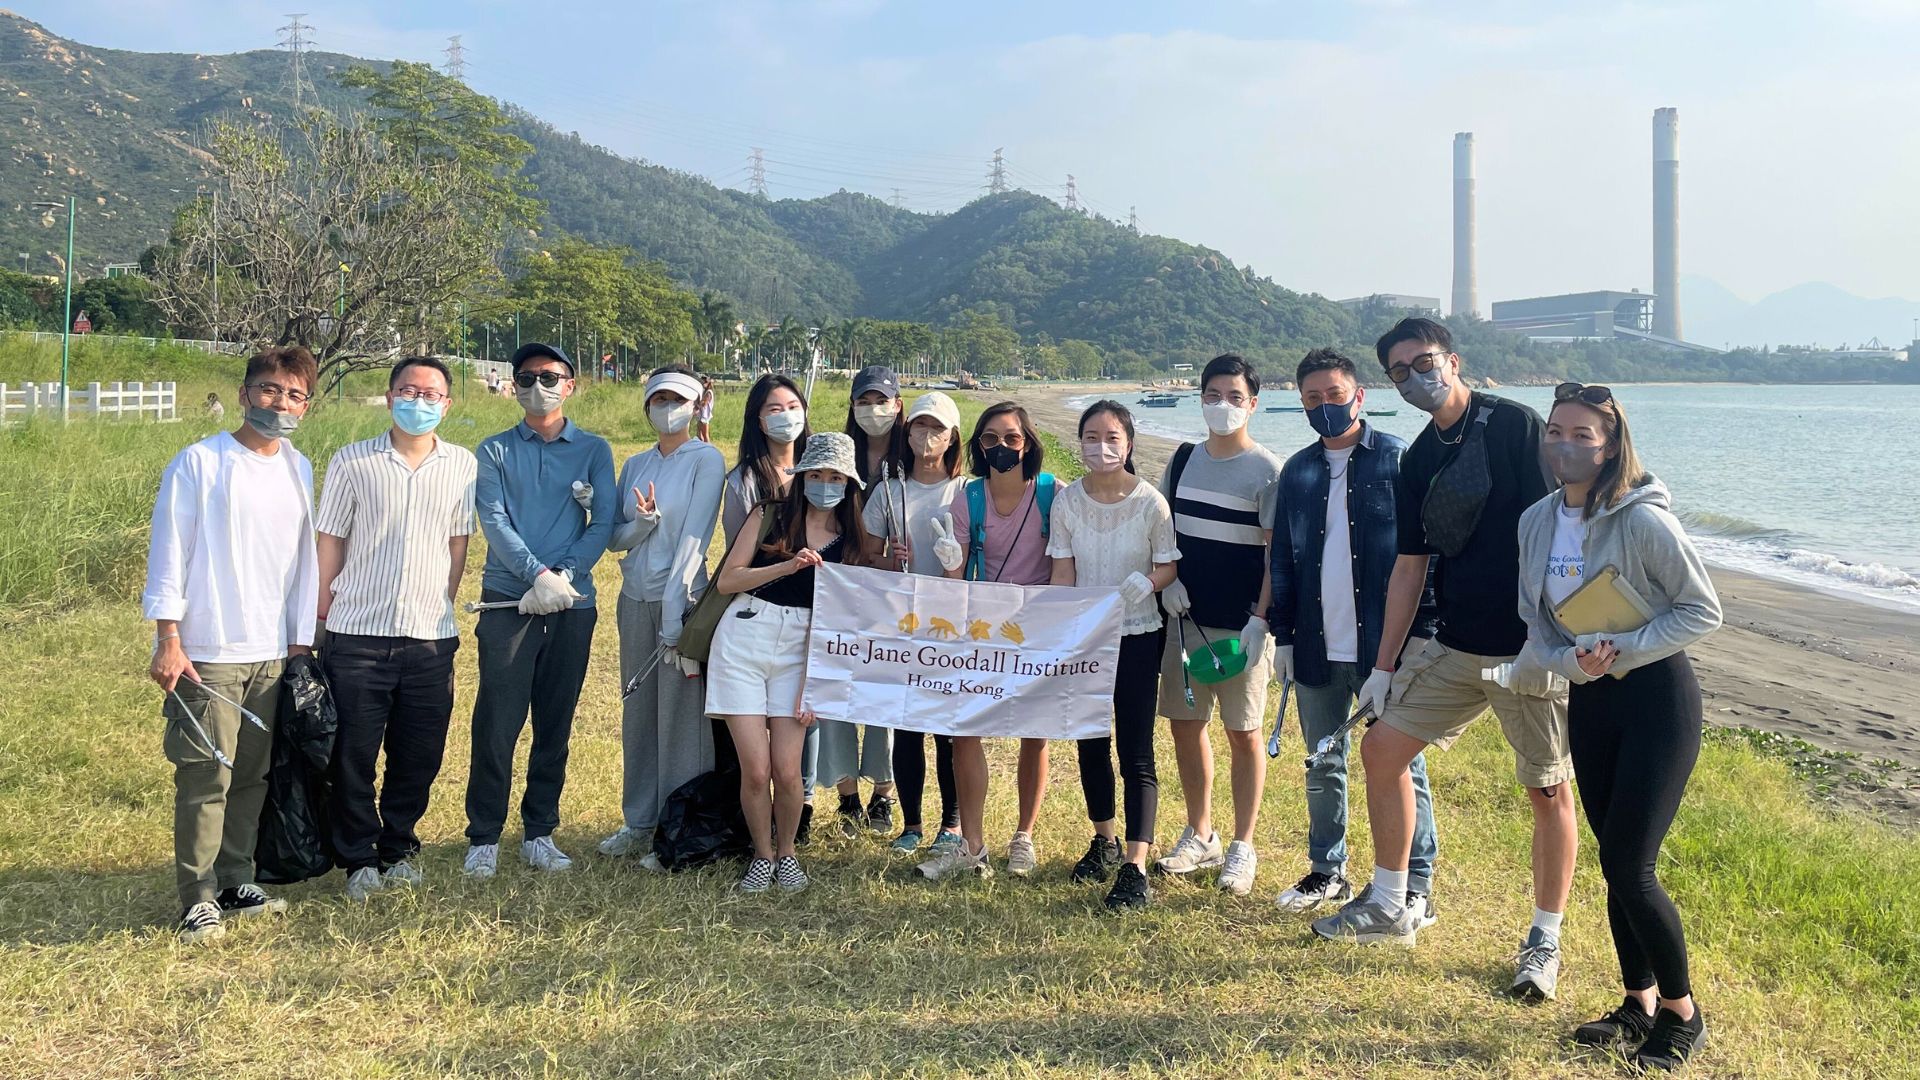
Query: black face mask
[1001, 458]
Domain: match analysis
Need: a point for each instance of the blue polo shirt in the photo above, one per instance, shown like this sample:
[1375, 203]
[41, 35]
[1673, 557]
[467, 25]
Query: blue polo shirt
[524, 493]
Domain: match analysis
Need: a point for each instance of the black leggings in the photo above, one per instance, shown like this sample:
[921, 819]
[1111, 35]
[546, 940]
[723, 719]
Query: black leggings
[1136, 691]
[910, 777]
[1634, 743]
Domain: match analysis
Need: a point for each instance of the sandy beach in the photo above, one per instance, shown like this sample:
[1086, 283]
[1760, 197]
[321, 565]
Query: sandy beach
[1841, 674]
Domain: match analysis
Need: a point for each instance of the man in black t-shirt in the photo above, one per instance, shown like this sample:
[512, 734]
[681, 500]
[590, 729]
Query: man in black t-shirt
[1467, 478]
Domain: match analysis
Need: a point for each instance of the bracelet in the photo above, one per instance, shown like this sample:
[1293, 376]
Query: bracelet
[165, 637]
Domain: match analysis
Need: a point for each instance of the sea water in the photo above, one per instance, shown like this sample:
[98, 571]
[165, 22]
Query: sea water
[1819, 485]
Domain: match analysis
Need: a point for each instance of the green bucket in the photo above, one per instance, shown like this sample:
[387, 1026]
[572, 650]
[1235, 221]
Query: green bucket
[1219, 661]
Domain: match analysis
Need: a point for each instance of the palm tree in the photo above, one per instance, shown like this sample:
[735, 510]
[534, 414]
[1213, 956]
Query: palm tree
[790, 338]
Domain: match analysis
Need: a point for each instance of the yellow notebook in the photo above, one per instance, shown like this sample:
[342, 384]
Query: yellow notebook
[1604, 605]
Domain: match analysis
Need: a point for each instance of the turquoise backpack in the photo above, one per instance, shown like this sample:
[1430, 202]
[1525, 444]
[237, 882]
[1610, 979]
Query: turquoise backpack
[977, 520]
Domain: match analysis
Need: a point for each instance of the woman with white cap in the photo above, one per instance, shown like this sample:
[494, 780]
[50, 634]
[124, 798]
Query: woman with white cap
[668, 499]
[903, 515]
[760, 647]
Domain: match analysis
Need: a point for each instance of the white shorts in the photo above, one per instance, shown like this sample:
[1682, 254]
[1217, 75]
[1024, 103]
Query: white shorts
[760, 662]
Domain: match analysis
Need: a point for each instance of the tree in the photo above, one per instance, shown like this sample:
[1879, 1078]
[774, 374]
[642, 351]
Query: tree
[982, 344]
[609, 295]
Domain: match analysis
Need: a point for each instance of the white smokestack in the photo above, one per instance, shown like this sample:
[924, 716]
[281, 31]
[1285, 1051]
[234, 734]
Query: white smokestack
[1666, 222]
[1465, 287]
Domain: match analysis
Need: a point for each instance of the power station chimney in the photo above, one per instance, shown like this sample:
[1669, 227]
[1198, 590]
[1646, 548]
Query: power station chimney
[1465, 288]
[1666, 222]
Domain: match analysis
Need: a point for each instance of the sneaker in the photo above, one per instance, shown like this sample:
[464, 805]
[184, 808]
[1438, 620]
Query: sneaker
[1022, 858]
[788, 875]
[1421, 904]
[402, 874]
[1625, 1026]
[249, 899]
[948, 840]
[957, 861]
[650, 862]
[758, 878]
[1236, 876]
[1361, 920]
[201, 922]
[1102, 856]
[1192, 852]
[1672, 1041]
[1315, 889]
[1129, 889]
[364, 882]
[624, 842]
[880, 813]
[907, 842]
[542, 854]
[1537, 970]
[482, 861]
[852, 817]
[804, 831]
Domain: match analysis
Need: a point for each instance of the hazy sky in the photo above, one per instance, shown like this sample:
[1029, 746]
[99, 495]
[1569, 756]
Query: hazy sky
[1311, 140]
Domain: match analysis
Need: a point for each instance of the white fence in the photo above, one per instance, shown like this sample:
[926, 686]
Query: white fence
[231, 348]
[119, 401]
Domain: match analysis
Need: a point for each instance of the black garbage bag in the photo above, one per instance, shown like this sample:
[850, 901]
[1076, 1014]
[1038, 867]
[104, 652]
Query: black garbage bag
[294, 844]
[702, 823]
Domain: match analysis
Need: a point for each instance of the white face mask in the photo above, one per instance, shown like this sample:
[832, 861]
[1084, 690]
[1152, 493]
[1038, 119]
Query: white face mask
[927, 443]
[875, 420]
[1101, 457]
[540, 400]
[670, 417]
[784, 427]
[1223, 418]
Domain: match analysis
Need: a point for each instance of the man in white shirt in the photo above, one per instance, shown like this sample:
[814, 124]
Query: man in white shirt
[231, 588]
[395, 518]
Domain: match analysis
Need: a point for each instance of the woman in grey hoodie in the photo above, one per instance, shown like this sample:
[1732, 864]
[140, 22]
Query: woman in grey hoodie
[1633, 712]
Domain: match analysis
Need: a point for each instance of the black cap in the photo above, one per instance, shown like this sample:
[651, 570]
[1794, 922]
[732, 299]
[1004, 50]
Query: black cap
[877, 377]
[540, 350]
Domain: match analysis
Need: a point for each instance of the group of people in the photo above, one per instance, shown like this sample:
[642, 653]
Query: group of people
[1412, 587]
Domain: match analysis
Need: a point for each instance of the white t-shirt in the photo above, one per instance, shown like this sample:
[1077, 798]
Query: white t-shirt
[1336, 566]
[1108, 541]
[268, 532]
[915, 506]
[1566, 562]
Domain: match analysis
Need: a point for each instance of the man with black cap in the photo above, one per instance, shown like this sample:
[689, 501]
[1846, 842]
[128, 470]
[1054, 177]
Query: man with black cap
[545, 494]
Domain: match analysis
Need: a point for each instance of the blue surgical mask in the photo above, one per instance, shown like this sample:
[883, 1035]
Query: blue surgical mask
[1331, 420]
[824, 494]
[417, 417]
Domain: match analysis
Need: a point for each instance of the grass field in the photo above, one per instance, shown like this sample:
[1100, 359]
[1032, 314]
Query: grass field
[1806, 957]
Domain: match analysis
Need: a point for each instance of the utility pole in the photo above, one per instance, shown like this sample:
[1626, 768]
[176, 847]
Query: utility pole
[758, 183]
[214, 247]
[294, 39]
[66, 325]
[997, 173]
[456, 66]
[1073, 195]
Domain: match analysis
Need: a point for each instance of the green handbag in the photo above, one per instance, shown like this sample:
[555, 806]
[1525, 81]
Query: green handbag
[697, 628]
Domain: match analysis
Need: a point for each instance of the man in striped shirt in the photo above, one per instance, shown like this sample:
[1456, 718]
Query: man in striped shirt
[396, 512]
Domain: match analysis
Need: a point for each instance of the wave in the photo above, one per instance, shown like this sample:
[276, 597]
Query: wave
[1876, 582]
[1730, 526]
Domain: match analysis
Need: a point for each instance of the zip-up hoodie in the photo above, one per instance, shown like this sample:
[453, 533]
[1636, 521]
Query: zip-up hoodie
[1641, 539]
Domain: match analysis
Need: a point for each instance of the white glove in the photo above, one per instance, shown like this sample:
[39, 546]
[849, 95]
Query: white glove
[945, 547]
[688, 665]
[1136, 588]
[1375, 692]
[1254, 640]
[1283, 663]
[550, 593]
[1174, 597]
[583, 494]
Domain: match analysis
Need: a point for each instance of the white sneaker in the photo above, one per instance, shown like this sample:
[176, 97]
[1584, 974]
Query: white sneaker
[1193, 852]
[1022, 857]
[625, 842]
[482, 861]
[1315, 889]
[364, 882]
[402, 874]
[541, 854]
[957, 862]
[651, 862]
[1237, 876]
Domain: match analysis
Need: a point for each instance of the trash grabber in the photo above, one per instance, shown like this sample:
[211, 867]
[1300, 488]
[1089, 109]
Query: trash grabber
[201, 729]
[633, 684]
[490, 605]
[1211, 655]
[1181, 626]
[244, 711]
[1279, 719]
[1332, 740]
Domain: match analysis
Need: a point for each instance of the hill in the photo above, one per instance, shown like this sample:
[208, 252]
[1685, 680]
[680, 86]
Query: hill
[1814, 313]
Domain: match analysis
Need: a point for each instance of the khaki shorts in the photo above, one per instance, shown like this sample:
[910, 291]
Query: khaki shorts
[1242, 699]
[1439, 692]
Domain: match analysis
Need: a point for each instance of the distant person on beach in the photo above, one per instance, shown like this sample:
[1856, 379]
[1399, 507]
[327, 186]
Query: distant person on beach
[215, 411]
[999, 531]
[1471, 472]
[395, 519]
[1222, 494]
[1334, 548]
[543, 537]
[232, 584]
[1634, 711]
[1113, 530]
[703, 414]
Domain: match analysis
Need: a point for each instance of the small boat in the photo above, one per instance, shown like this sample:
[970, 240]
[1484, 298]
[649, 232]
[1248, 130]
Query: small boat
[1159, 401]
[1285, 408]
[1383, 412]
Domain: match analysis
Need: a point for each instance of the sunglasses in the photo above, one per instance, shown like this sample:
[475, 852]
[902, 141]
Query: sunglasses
[548, 379]
[1573, 391]
[1423, 363]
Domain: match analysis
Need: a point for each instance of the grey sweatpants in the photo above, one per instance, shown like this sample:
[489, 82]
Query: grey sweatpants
[665, 739]
[216, 810]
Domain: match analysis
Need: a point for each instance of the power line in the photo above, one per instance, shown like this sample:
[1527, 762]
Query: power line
[997, 175]
[758, 183]
[1073, 195]
[294, 39]
[456, 66]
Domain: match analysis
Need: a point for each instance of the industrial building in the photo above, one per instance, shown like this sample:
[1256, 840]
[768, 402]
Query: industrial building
[1418, 305]
[1576, 315]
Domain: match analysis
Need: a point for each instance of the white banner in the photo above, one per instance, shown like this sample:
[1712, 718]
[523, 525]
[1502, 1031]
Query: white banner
[962, 657]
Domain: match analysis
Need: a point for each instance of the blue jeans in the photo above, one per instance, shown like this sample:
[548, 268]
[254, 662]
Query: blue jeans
[1322, 710]
[810, 759]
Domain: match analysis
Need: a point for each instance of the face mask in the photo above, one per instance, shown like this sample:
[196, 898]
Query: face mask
[539, 400]
[416, 417]
[670, 418]
[1001, 458]
[1222, 418]
[824, 494]
[1425, 391]
[1572, 462]
[269, 424]
[1101, 457]
[927, 443]
[1330, 420]
[875, 420]
[784, 427]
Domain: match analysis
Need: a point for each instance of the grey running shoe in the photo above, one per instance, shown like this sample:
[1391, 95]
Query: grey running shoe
[1236, 876]
[364, 882]
[1537, 971]
[1313, 890]
[957, 861]
[1367, 923]
[1192, 852]
[402, 874]
[1022, 857]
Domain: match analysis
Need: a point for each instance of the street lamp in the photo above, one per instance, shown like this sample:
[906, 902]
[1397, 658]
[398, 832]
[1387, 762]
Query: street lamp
[66, 324]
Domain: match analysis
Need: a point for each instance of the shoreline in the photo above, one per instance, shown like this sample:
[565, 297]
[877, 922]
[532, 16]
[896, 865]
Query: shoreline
[1839, 673]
